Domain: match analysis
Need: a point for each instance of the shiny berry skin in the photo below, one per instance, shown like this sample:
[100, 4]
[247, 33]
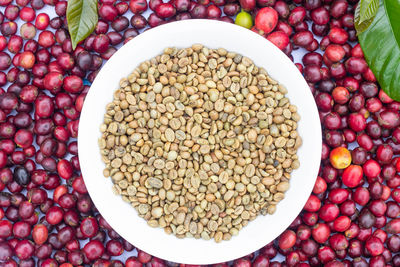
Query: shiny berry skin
[24, 249]
[5, 61]
[89, 227]
[6, 251]
[393, 227]
[213, 12]
[340, 158]
[5, 228]
[338, 242]
[374, 246]
[356, 65]
[114, 248]
[46, 39]
[371, 168]
[287, 239]
[260, 261]
[279, 39]
[338, 195]
[340, 95]
[297, 15]
[27, 14]
[53, 82]
[313, 204]
[320, 16]
[3, 43]
[321, 232]
[54, 215]
[247, 5]
[44, 106]
[101, 43]
[384, 154]
[165, 10]
[26, 209]
[11, 12]
[320, 186]
[338, 35]
[23, 138]
[21, 176]
[138, 21]
[389, 119]
[64, 169]
[138, 6]
[361, 196]
[266, 19]
[8, 28]
[341, 223]
[93, 249]
[365, 141]
[324, 102]
[73, 84]
[66, 61]
[357, 122]
[328, 212]
[108, 12]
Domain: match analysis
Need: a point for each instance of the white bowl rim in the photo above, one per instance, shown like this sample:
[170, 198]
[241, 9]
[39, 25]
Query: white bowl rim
[161, 245]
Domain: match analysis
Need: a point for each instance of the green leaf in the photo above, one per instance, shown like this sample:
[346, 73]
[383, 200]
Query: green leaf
[82, 19]
[362, 18]
[361, 27]
[381, 46]
[368, 9]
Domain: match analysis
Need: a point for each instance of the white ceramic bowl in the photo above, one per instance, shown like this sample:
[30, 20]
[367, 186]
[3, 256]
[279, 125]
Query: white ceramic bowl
[122, 217]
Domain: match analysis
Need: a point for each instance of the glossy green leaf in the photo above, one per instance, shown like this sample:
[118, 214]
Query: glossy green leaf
[365, 14]
[368, 9]
[381, 46]
[82, 19]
